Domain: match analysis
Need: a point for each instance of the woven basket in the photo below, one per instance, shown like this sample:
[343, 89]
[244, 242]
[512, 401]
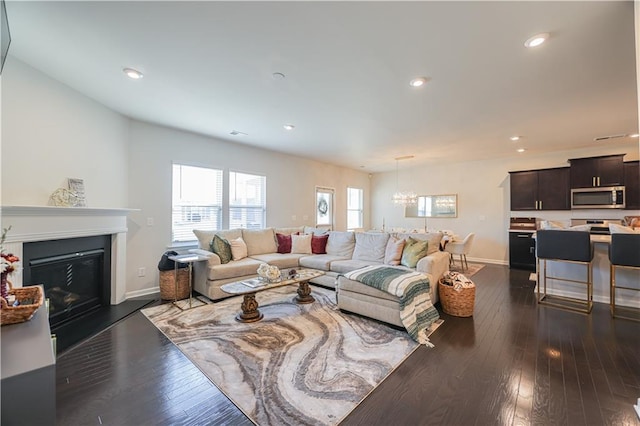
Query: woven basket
[168, 286]
[20, 313]
[457, 303]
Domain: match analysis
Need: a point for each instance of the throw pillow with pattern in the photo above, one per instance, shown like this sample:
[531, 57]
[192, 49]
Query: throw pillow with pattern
[413, 251]
[222, 248]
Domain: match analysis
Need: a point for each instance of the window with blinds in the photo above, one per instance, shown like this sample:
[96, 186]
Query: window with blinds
[247, 201]
[196, 201]
[355, 208]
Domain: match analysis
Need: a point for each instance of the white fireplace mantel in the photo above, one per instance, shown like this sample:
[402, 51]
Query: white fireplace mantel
[44, 223]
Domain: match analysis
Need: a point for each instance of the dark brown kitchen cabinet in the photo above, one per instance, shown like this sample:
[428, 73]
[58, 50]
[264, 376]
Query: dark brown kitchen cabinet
[546, 189]
[597, 171]
[632, 185]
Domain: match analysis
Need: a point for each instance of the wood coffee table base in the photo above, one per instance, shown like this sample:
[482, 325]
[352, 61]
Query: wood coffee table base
[249, 306]
[304, 293]
[250, 312]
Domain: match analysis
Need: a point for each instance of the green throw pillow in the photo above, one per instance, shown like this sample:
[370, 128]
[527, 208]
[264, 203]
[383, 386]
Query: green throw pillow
[413, 251]
[222, 248]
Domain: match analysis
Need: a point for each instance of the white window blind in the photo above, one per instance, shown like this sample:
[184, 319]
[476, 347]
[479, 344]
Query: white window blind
[247, 201]
[196, 201]
[355, 208]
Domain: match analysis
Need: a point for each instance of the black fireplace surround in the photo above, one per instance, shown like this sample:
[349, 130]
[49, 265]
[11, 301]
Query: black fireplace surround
[75, 274]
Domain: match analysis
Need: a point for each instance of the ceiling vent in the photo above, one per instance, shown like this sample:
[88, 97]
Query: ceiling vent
[604, 138]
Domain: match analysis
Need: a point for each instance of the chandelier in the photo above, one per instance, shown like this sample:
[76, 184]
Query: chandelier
[403, 198]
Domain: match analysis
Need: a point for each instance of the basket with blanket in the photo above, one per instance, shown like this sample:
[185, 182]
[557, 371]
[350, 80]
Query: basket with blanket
[457, 294]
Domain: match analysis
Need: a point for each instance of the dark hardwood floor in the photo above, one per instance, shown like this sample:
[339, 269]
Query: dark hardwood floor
[513, 362]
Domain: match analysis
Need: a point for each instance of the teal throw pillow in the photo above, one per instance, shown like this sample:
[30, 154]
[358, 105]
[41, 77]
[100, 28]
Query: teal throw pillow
[222, 248]
[413, 251]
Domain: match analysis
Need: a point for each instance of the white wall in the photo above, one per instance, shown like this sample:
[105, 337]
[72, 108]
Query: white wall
[483, 197]
[291, 183]
[50, 132]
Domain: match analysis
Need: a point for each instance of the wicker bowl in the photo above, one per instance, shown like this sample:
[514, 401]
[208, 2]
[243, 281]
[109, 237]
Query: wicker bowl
[20, 313]
[168, 284]
[457, 303]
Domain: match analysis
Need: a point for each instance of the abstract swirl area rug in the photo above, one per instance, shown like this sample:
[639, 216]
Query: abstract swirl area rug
[301, 364]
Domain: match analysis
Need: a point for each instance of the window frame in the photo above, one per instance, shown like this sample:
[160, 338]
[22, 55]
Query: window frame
[360, 210]
[234, 208]
[215, 209]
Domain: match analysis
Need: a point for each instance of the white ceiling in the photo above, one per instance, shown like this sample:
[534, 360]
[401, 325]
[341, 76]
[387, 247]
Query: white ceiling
[208, 69]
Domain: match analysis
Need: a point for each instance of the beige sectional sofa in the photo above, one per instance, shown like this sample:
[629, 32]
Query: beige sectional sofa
[345, 251]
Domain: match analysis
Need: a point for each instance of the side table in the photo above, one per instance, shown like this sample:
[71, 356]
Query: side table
[189, 259]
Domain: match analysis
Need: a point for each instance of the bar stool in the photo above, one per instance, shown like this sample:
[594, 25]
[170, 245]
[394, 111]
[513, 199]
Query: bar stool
[565, 246]
[624, 252]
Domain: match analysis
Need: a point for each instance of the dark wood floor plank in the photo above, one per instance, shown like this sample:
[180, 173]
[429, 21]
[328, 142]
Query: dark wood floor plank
[498, 367]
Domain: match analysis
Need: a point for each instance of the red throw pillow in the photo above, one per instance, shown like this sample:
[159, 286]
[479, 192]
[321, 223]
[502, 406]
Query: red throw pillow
[319, 244]
[284, 243]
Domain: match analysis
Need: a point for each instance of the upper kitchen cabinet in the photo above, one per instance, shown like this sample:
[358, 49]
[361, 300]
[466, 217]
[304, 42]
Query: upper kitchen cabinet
[546, 189]
[632, 185]
[597, 171]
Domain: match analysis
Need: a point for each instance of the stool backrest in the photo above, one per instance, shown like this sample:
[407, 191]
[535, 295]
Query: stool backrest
[625, 249]
[564, 245]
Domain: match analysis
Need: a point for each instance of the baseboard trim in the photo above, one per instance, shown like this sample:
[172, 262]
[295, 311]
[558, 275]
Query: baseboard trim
[143, 292]
[490, 261]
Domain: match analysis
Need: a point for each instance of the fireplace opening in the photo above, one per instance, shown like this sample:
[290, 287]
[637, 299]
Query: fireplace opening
[75, 274]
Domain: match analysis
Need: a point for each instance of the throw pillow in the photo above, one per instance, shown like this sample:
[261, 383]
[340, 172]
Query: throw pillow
[319, 244]
[301, 244]
[413, 251]
[284, 243]
[393, 251]
[238, 248]
[222, 248]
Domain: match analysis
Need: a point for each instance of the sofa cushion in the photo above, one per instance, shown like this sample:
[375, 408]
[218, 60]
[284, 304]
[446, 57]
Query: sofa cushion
[370, 247]
[238, 248]
[290, 230]
[341, 244]
[315, 231]
[319, 244]
[393, 251]
[288, 260]
[301, 244]
[345, 284]
[204, 238]
[413, 251]
[319, 261]
[284, 243]
[230, 234]
[343, 266]
[222, 248]
[234, 269]
[260, 241]
[434, 239]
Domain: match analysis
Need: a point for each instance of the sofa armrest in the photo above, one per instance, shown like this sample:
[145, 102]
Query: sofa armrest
[435, 264]
[213, 259]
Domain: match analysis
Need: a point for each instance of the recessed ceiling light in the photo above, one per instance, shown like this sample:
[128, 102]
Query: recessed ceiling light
[515, 138]
[289, 126]
[418, 82]
[634, 135]
[521, 150]
[536, 40]
[133, 74]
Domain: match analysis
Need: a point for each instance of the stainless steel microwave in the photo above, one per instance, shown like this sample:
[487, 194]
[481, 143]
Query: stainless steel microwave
[610, 197]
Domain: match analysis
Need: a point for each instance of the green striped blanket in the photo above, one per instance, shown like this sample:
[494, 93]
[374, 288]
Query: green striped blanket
[416, 310]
